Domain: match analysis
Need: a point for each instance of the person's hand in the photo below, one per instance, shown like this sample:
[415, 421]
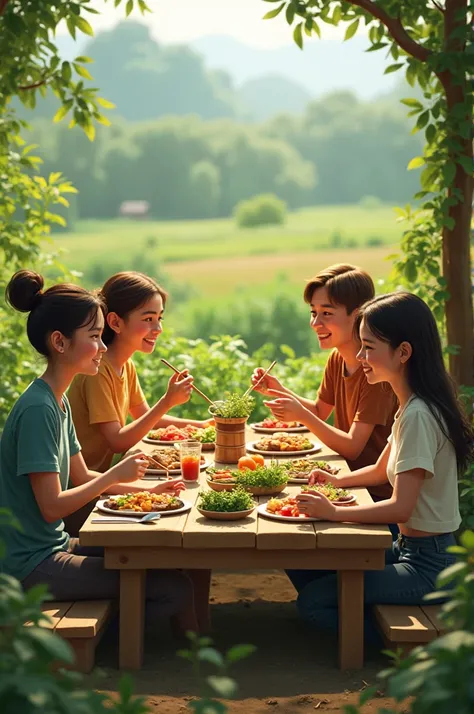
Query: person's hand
[286, 408]
[316, 505]
[173, 487]
[320, 476]
[205, 423]
[179, 389]
[267, 383]
[131, 468]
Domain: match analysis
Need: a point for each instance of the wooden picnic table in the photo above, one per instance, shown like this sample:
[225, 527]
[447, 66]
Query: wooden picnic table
[192, 541]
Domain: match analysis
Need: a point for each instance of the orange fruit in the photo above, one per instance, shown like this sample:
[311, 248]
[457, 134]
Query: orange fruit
[259, 460]
[246, 462]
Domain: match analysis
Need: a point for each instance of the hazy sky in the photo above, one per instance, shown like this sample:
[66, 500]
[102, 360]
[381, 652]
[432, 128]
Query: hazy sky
[184, 20]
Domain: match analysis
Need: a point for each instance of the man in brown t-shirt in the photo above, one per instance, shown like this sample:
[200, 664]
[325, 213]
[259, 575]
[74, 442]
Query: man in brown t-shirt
[363, 413]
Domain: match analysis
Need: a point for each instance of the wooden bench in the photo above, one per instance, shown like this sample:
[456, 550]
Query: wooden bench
[407, 626]
[82, 624]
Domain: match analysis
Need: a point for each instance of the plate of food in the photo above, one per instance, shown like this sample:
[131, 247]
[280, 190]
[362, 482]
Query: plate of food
[271, 425]
[171, 434]
[259, 480]
[232, 505]
[284, 509]
[169, 458]
[339, 496]
[136, 504]
[283, 444]
[299, 469]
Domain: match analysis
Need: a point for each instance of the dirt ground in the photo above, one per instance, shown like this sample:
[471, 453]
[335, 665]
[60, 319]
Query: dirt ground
[294, 671]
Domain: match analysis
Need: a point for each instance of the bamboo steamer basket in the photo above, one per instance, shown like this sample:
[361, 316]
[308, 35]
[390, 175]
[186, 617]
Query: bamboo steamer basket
[230, 439]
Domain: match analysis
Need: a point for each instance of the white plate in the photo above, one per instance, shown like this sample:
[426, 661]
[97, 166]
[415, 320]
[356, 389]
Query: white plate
[292, 430]
[262, 509]
[100, 505]
[174, 472]
[285, 454]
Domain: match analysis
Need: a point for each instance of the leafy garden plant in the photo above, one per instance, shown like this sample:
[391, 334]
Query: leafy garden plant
[273, 474]
[235, 406]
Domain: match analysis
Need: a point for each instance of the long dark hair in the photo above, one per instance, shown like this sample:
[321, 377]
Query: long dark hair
[125, 292]
[404, 317]
[64, 307]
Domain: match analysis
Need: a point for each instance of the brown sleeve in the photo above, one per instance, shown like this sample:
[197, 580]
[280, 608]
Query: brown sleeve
[326, 391]
[377, 404]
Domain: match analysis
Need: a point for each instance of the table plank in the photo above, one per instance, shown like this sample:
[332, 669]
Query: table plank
[201, 532]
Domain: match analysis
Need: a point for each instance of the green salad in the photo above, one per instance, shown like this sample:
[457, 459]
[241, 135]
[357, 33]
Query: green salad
[207, 435]
[235, 406]
[263, 476]
[226, 501]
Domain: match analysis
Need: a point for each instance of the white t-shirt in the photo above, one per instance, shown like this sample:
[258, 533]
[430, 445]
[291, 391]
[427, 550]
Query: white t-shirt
[417, 442]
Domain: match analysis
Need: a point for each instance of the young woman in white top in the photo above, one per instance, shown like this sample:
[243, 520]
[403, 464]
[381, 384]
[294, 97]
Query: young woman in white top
[430, 444]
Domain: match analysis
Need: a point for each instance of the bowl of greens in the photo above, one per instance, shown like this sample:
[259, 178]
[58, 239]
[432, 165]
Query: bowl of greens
[226, 505]
[266, 480]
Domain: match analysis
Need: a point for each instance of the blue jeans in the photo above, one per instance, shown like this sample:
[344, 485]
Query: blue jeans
[411, 568]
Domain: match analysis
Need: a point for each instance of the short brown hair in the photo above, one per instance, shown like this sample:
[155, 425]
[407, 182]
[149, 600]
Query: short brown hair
[346, 284]
[125, 292]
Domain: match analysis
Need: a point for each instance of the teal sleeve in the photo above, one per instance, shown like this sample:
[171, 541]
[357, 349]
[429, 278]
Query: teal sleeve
[74, 445]
[38, 441]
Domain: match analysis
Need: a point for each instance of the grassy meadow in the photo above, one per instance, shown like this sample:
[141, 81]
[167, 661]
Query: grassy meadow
[215, 258]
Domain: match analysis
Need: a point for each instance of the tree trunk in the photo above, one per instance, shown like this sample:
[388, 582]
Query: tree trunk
[457, 241]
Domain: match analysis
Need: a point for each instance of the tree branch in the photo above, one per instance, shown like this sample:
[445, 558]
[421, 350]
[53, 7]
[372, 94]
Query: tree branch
[438, 6]
[35, 85]
[396, 29]
[3, 4]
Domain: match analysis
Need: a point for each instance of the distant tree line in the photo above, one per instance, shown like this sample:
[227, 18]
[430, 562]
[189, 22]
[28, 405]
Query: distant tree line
[338, 151]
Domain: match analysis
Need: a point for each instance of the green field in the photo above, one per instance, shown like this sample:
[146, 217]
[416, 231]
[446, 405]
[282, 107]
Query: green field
[215, 257]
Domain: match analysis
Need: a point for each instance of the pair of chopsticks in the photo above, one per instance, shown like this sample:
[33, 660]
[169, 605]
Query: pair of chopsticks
[252, 386]
[250, 389]
[155, 462]
[177, 371]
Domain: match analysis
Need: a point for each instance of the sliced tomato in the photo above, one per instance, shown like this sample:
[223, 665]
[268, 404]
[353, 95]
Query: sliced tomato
[287, 511]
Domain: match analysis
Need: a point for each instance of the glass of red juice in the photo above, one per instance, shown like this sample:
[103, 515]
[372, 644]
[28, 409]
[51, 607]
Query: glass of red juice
[190, 457]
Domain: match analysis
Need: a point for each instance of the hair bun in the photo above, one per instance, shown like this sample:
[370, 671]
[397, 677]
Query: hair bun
[24, 291]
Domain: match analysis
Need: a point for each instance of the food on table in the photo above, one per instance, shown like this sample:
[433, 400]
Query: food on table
[259, 459]
[235, 406]
[226, 501]
[144, 502]
[169, 457]
[246, 462]
[282, 441]
[272, 476]
[333, 493]
[301, 468]
[271, 423]
[173, 433]
[284, 507]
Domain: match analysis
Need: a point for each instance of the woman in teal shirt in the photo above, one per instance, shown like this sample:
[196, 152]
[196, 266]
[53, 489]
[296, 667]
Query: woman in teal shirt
[40, 455]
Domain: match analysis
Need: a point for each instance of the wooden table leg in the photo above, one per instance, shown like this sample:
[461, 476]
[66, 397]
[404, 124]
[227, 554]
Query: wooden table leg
[132, 618]
[351, 618]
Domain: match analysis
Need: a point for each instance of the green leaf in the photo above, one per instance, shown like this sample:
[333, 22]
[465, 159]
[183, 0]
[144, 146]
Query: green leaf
[62, 111]
[209, 654]
[298, 35]
[416, 163]
[240, 652]
[467, 540]
[351, 30]
[128, 7]
[84, 26]
[66, 71]
[102, 120]
[84, 59]
[275, 12]
[411, 271]
[316, 29]
[423, 120]
[449, 574]
[70, 23]
[224, 686]
[430, 133]
[89, 131]
[49, 642]
[143, 7]
[82, 71]
[105, 103]
[449, 172]
[411, 102]
[290, 14]
[393, 68]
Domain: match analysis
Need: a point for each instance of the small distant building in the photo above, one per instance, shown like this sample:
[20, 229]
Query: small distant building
[134, 209]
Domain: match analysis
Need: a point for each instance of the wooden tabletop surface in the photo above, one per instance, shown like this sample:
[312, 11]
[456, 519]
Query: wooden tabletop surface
[191, 530]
